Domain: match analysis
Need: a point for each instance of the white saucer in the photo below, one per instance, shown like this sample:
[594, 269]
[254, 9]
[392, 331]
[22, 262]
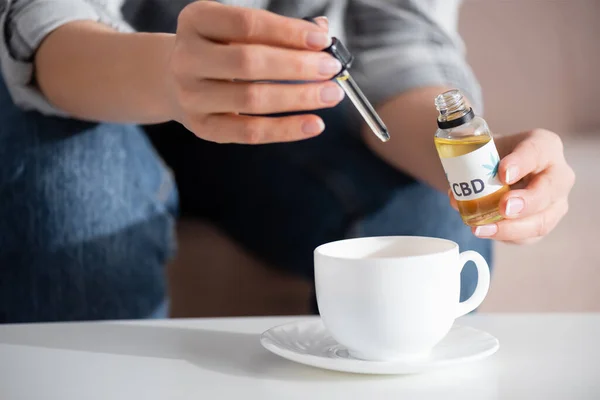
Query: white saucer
[308, 342]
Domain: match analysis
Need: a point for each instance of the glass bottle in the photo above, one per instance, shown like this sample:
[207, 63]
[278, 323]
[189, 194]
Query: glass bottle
[470, 160]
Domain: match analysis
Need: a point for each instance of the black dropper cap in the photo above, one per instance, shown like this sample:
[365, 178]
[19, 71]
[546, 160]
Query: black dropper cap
[338, 51]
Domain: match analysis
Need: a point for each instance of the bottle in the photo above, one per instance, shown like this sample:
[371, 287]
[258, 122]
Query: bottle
[470, 160]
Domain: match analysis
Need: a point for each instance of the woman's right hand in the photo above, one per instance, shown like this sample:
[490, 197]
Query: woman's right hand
[220, 50]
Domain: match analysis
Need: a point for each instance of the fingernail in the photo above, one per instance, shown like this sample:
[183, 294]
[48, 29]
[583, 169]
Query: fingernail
[511, 174]
[329, 66]
[323, 22]
[486, 230]
[318, 40]
[332, 94]
[313, 127]
[514, 206]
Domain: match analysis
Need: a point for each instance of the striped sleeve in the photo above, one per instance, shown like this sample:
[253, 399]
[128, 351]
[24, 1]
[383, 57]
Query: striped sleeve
[23, 26]
[405, 44]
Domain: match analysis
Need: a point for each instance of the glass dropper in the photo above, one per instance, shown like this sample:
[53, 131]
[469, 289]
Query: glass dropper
[350, 87]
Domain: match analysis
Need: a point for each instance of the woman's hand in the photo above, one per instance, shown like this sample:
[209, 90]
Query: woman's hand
[220, 50]
[534, 165]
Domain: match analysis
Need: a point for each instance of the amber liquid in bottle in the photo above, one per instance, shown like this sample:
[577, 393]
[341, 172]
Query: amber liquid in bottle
[465, 146]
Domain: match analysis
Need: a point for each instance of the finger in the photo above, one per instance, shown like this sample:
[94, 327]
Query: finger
[258, 62]
[233, 128]
[263, 98]
[534, 226]
[226, 24]
[542, 191]
[536, 152]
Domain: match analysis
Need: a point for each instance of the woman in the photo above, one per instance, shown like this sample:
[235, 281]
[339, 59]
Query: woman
[88, 206]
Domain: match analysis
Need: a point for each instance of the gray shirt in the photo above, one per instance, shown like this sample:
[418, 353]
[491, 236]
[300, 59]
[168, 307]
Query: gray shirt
[399, 44]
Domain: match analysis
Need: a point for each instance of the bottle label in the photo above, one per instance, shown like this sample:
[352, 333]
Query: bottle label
[474, 175]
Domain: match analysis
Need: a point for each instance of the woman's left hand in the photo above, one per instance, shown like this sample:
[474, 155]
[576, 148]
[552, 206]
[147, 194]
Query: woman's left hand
[541, 180]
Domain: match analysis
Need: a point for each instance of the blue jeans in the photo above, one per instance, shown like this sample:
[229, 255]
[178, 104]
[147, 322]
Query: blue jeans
[87, 210]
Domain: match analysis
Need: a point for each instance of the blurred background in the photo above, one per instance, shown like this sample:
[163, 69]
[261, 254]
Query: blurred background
[538, 63]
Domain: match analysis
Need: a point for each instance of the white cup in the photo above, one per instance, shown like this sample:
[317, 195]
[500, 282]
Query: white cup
[392, 298]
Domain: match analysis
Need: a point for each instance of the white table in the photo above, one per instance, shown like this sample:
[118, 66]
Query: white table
[540, 357]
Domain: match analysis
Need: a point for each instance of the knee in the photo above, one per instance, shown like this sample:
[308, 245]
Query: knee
[86, 222]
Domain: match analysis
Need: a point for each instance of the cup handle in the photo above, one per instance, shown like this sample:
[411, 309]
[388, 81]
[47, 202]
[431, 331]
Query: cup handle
[483, 282]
